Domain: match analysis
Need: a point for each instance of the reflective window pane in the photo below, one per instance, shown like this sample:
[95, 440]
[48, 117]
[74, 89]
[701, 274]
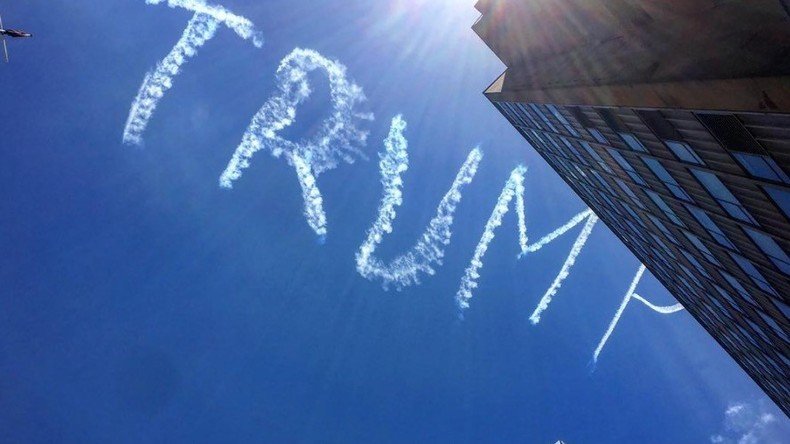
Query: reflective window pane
[748, 267]
[627, 167]
[714, 230]
[781, 197]
[722, 195]
[664, 207]
[663, 175]
[684, 152]
[702, 248]
[761, 166]
[597, 135]
[771, 249]
[633, 142]
[627, 190]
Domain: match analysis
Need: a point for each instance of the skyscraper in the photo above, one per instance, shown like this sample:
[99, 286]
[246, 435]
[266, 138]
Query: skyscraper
[671, 120]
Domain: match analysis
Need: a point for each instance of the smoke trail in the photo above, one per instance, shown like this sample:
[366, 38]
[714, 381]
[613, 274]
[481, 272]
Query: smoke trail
[337, 140]
[628, 296]
[514, 187]
[565, 270]
[658, 309]
[240, 25]
[576, 220]
[310, 193]
[201, 28]
[429, 250]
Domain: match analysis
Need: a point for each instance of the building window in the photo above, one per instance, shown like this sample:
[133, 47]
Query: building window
[749, 335]
[748, 267]
[633, 142]
[771, 249]
[713, 229]
[630, 193]
[761, 166]
[553, 142]
[525, 112]
[597, 135]
[517, 114]
[560, 150]
[702, 248]
[667, 132]
[692, 276]
[669, 181]
[722, 310]
[684, 152]
[627, 167]
[663, 228]
[781, 197]
[774, 326]
[587, 124]
[695, 263]
[614, 122]
[762, 334]
[636, 232]
[633, 214]
[726, 294]
[784, 308]
[663, 246]
[502, 107]
[597, 157]
[664, 207]
[738, 287]
[575, 152]
[603, 182]
[583, 176]
[556, 145]
[563, 120]
[730, 132]
[723, 196]
[539, 139]
[543, 117]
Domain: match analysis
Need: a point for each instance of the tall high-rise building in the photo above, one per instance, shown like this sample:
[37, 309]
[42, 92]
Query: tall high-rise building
[671, 120]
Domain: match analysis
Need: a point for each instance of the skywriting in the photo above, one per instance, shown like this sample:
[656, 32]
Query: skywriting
[340, 140]
[326, 222]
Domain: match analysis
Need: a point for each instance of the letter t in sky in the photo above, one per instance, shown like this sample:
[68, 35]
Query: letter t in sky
[200, 29]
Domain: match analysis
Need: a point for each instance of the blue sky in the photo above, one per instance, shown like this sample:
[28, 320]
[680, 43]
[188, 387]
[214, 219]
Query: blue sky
[141, 302]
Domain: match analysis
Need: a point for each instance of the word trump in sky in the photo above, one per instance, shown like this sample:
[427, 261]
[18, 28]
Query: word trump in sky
[340, 139]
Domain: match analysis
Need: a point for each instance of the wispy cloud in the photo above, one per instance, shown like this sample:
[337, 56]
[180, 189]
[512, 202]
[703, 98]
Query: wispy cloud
[565, 270]
[514, 187]
[337, 140]
[753, 423]
[201, 28]
[428, 252]
[630, 294]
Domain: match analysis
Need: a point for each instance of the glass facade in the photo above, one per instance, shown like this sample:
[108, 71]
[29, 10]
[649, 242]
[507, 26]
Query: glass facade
[710, 219]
